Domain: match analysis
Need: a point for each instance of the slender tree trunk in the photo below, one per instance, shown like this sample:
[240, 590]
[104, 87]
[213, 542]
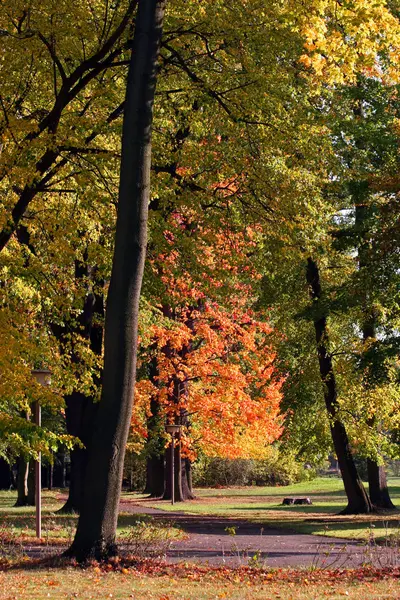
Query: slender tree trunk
[22, 482]
[31, 484]
[95, 536]
[63, 470]
[358, 501]
[50, 471]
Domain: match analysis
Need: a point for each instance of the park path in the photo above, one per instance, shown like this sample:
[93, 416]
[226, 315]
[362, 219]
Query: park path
[209, 542]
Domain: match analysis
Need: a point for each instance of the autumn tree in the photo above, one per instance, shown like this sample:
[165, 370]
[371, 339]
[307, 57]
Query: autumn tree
[209, 356]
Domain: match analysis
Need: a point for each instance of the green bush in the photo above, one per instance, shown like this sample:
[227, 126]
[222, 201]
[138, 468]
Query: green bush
[277, 469]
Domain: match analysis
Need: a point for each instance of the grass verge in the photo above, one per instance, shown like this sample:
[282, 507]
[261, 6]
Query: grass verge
[162, 582]
[264, 505]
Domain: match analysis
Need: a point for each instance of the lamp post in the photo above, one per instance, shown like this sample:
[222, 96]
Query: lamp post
[172, 429]
[42, 376]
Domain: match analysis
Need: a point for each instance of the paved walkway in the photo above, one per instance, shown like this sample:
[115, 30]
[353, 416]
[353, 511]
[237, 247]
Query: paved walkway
[209, 542]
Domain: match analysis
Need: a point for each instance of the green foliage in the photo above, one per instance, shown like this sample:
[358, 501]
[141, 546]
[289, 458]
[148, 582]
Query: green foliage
[278, 469]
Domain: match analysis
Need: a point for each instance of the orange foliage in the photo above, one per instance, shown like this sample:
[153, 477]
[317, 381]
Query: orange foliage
[213, 353]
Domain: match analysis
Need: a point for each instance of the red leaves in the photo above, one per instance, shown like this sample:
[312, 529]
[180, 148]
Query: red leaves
[213, 352]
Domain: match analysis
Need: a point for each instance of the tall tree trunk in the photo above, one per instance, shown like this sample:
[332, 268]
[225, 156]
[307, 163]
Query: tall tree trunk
[95, 536]
[377, 481]
[358, 501]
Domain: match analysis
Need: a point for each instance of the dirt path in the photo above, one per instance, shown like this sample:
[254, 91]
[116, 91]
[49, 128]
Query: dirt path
[209, 542]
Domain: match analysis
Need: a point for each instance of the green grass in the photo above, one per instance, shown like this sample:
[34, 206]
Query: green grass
[59, 528]
[94, 584]
[264, 505]
[259, 504]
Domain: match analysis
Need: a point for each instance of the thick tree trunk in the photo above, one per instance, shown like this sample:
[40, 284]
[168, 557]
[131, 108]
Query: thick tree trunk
[6, 478]
[358, 501]
[80, 414]
[95, 536]
[378, 488]
[155, 476]
[22, 482]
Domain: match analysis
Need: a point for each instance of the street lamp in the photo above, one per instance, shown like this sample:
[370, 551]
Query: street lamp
[42, 376]
[173, 429]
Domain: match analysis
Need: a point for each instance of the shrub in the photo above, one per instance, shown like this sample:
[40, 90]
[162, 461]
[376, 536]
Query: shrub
[149, 538]
[277, 469]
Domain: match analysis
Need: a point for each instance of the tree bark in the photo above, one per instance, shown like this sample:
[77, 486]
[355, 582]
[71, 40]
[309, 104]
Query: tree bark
[95, 536]
[155, 450]
[6, 479]
[80, 409]
[22, 482]
[80, 415]
[155, 476]
[358, 501]
[155, 447]
[31, 500]
[182, 470]
[378, 488]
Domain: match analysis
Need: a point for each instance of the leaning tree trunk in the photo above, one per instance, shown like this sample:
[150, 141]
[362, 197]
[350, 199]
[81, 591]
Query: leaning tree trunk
[377, 481]
[95, 536]
[358, 501]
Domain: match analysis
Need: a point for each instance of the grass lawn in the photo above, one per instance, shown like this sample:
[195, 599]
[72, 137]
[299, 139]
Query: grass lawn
[260, 504]
[264, 504]
[60, 528]
[193, 584]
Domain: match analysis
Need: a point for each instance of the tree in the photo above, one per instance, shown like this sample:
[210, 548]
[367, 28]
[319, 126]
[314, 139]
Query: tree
[95, 535]
[206, 360]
